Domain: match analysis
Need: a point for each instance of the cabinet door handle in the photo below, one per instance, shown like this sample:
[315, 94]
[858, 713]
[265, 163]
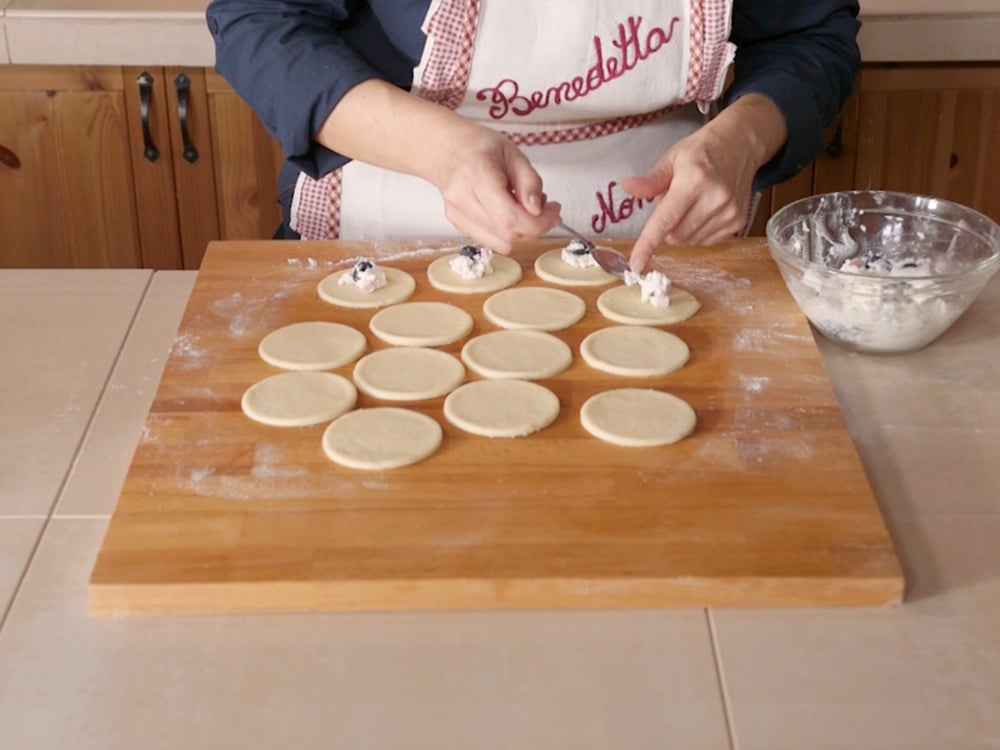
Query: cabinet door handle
[149, 149]
[183, 84]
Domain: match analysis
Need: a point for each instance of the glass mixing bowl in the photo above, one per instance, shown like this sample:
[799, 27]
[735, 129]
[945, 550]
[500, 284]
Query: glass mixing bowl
[883, 272]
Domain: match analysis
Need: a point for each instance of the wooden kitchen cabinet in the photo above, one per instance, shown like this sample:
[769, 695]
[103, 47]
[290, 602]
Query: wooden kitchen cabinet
[79, 189]
[67, 190]
[128, 167]
[932, 130]
[247, 161]
[928, 129]
[224, 163]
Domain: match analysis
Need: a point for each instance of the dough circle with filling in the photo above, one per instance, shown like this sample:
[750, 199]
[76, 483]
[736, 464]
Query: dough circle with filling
[421, 324]
[622, 304]
[524, 355]
[501, 408]
[634, 351]
[312, 345]
[505, 273]
[536, 308]
[384, 437]
[297, 399]
[410, 373]
[550, 267]
[637, 417]
[399, 287]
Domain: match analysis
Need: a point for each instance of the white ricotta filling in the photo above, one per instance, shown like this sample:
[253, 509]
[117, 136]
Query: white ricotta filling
[654, 287]
[864, 310]
[572, 256]
[882, 266]
[473, 268]
[365, 275]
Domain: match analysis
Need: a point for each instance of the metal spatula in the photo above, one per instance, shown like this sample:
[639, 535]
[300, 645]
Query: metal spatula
[610, 261]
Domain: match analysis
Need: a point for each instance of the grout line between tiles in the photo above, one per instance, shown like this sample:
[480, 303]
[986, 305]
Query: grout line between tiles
[720, 674]
[100, 399]
[5, 614]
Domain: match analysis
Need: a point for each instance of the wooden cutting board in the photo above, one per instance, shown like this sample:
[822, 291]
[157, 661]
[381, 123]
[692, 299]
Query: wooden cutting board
[765, 504]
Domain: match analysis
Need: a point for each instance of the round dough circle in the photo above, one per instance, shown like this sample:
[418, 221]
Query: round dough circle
[421, 324]
[550, 267]
[408, 374]
[313, 345]
[634, 351]
[384, 437]
[297, 399]
[522, 355]
[623, 305]
[501, 408]
[637, 417]
[399, 288]
[505, 273]
[537, 308]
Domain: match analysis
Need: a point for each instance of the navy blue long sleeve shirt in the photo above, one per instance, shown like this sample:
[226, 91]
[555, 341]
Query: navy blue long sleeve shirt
[292, 61]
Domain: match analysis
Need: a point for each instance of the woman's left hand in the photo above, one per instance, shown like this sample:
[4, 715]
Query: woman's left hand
[704, 181]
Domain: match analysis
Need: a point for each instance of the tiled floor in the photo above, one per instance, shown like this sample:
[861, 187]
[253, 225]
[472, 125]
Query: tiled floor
[918, 677]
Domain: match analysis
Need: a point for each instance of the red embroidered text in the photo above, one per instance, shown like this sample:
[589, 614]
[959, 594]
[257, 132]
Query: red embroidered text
[632, 46]
[613, 210]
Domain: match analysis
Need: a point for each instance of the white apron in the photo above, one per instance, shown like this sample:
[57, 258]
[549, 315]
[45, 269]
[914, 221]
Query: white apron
[590, 91]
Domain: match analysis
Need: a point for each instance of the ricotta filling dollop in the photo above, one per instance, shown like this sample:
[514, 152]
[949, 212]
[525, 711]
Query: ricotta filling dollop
[472, 262]
[879, 265]
[654, 287]
[365, 275]
[863, 309]
[578, 254]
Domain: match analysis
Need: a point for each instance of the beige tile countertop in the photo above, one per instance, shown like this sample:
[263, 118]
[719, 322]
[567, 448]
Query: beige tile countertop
[173, 32]
[83, 351]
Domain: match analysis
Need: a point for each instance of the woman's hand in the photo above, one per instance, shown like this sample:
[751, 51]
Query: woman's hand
[491, 192]
[704, 181]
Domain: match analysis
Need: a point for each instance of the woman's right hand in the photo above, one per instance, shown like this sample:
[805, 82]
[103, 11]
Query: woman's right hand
[490, 190]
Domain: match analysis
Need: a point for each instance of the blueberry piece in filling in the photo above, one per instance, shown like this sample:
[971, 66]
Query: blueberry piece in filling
[578, 247]
[471, 252]
[360, 268]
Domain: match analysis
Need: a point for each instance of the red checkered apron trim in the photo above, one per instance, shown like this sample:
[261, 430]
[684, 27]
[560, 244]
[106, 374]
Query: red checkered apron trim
[445, 75]
[315, 211]
[444, 78]
[585, 132]
[713, 52]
